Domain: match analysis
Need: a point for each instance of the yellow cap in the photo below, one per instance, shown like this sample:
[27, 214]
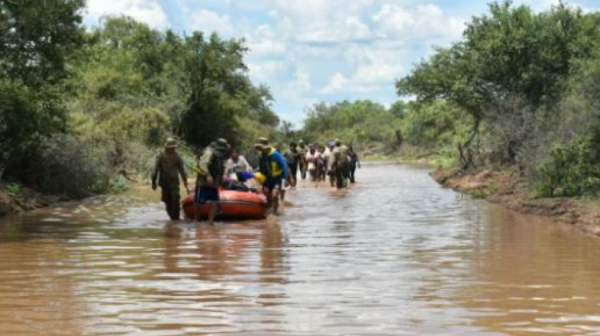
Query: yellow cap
[260, 178]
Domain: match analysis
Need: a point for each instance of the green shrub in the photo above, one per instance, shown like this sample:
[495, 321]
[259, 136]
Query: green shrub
[14, 190]
[571, 170]
[65, 164]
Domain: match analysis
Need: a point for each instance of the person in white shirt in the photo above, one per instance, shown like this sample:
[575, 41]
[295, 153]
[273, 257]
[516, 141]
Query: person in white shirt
[236, 164]
[312, 160]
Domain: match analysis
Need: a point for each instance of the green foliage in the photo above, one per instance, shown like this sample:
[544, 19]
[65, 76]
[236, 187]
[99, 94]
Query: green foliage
[513, 65]
[528, 82]
[363, 123]
[14, 190]
[65, 164]
[434, 125]
[571, 170]
[128, 87]
[511, 51]
[35, 37]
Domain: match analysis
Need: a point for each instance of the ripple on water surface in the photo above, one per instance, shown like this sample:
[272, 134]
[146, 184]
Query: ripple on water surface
[394, 255]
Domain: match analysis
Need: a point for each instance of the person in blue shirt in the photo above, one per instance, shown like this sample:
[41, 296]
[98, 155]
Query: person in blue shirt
[274, 166]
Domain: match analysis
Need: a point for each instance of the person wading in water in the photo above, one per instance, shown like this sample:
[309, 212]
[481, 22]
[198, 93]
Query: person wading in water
[354, 163]
[340, 164]
[274, 167]
[303, 150]
[293, 158]
[210, 170]
[167, 170]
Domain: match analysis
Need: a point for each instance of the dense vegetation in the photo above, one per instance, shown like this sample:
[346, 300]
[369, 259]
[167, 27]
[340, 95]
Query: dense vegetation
[81, 110]
[527, 82]
[520, 90]
[404, 129]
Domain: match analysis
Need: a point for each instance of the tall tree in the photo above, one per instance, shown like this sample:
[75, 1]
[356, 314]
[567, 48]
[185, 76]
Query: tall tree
[35, 39]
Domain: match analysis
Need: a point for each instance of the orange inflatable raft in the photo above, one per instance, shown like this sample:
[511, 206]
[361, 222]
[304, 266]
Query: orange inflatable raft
[234, 205]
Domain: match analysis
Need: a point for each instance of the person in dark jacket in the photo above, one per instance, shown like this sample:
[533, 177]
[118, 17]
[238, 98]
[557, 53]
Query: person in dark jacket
[167, 170]
[354, 163]
[293, 159]
[211, 168]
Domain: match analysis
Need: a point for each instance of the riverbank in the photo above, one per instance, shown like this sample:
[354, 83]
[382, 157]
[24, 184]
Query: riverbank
[16, 199]
[508, 188]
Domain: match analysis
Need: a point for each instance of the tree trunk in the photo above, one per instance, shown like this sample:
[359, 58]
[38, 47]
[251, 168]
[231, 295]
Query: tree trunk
[465, 151]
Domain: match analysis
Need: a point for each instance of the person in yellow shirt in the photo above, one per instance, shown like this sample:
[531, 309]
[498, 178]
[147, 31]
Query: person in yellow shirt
[274, 167]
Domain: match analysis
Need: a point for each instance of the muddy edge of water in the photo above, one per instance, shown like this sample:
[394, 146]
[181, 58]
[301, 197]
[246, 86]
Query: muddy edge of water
[506, 188]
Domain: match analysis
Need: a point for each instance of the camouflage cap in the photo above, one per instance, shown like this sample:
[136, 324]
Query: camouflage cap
[262, 142]
[221, 145]
[171, 142]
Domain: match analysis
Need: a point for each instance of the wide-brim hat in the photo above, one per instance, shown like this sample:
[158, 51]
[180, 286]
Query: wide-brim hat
[221, 145]
[262, 143]
[171, 143]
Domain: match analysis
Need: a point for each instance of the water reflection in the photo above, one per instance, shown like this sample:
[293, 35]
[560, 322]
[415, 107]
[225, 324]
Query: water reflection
[534, 278]
[396, 255]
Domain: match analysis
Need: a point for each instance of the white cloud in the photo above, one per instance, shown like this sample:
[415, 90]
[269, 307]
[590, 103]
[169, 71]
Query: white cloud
[338, 82]
[318, 21]
[265, 71]
[375, 66]
[264, 42]
[302, 81]
[209, 22]
[422, 22]
[147, 11]
[367, 78]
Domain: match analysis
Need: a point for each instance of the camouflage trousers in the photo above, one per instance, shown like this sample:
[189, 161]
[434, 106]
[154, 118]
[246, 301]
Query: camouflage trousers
[342, 172]
[172, 200]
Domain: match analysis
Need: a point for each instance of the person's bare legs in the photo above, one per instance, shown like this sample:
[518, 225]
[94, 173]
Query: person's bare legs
[198, 211]
[214, 207]
[275, 205]
[269, 194]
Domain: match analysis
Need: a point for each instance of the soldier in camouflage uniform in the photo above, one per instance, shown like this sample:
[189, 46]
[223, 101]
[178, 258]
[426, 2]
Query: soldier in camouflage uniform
[303, 150]
[169, 166]
[340, 164]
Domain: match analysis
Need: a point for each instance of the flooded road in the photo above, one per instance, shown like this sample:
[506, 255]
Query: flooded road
[395, 255]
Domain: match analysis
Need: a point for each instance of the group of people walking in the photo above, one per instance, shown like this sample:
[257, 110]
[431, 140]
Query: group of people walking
[220, 165]
[334, 161]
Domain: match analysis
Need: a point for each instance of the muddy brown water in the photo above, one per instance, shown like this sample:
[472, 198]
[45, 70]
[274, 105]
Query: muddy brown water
[395, 255]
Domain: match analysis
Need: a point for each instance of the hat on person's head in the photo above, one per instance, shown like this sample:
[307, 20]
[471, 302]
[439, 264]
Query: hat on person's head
[221, 145]
[301, 142]
[262, 143]
[338, 142]
[222, 142]
[331, 144]
[171, 142]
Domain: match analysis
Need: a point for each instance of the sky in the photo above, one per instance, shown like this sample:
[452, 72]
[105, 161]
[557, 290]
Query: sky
[310, 51]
